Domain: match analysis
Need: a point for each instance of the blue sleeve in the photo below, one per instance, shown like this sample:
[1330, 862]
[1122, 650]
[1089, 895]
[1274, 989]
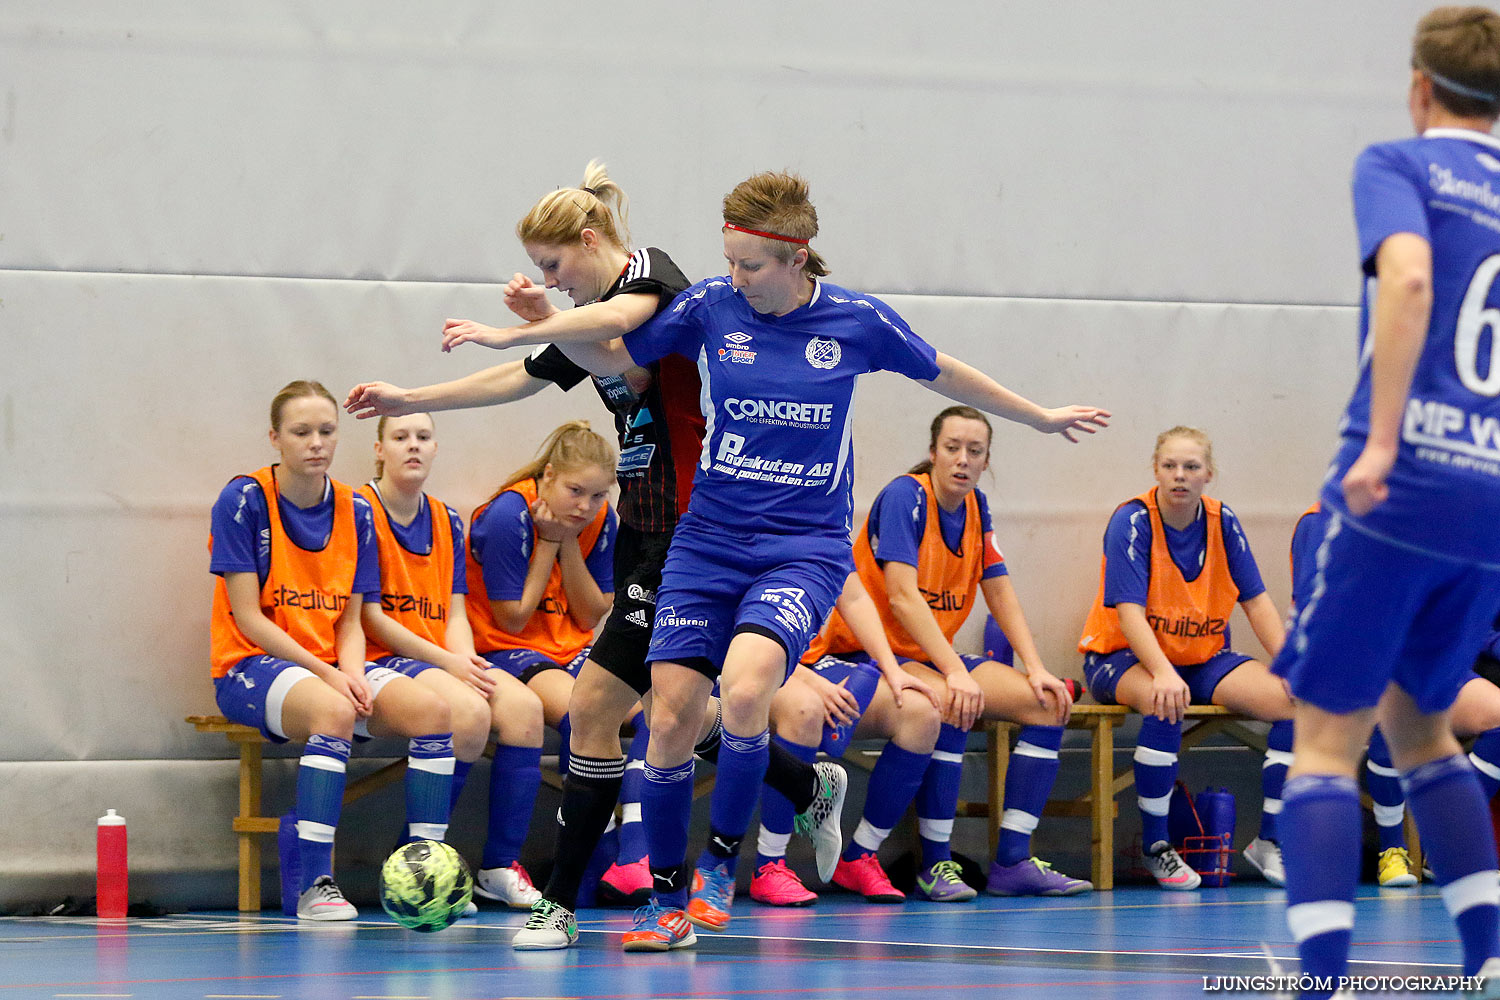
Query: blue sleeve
[1388, 199]
[1127, 556]
[1306, 538]
[677, 329]
[895, 348]
[1242, 568]
[501, 543]
[994, 559]
[460, 565]
[238, 522]
[367, 566]
[601, 559]
[898, 520]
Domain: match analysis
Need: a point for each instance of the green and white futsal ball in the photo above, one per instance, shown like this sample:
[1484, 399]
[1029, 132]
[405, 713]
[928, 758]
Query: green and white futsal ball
[425, 885]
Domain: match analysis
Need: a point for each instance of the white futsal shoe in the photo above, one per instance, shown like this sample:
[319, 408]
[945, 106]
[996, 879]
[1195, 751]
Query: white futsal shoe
[511, 886]
[1169, 870]
[821, 820]
[324, 901]
[1265, 855]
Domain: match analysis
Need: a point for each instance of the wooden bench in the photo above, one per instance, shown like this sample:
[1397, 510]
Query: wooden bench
[248, 824]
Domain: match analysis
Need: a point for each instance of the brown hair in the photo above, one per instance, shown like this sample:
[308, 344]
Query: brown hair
[1461, 45]
[380, 436]
[571, 446]
[962, 412]
[560, 217]
[777, 203]
[1192, 434]
[296, 390]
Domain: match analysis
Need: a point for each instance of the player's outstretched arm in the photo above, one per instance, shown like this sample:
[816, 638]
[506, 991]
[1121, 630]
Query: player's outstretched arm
[501, 384]
[596, 321]
[607, 358]
[1398, 329]
[966, 384]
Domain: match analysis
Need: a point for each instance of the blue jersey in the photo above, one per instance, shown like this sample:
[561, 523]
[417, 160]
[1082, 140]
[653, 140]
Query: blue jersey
[501, 544]
[778, 399]
[1306, 538]
[416, 538]
[241, 524]
[898, 522]
[1127, 554]
[1445, 486]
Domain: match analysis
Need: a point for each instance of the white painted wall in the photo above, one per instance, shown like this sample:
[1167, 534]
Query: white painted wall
[1141, 205]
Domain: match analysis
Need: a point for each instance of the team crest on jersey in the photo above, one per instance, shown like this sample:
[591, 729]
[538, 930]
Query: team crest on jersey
[737, 349]
[823, 352]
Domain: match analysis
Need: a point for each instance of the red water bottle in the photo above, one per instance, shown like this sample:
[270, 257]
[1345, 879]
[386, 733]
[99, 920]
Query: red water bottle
[113, 876]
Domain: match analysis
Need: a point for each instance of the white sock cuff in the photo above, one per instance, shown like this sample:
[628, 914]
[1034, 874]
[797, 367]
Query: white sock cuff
[319, 833]
[1271, 807]
[427, 831]
[1382, 770]
[870, 837]
[432, 765]
[1152, 757]
[1019, 822]
[1389, 815]
[1476, 889]
[1024, 749]
[772, 845]
[323, 762]
[939, 831]
[948, 757]
[1277, 758]
[630, 812]
[1158, 806]
[1306, 920]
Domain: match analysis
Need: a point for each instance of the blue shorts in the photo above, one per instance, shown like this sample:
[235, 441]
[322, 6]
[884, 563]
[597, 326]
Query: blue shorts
[405, 665]
[860, 675]
[1104, 670]
[524, 664]
[971, 660]
[719, 581]
[252, 693]
[1379, 614]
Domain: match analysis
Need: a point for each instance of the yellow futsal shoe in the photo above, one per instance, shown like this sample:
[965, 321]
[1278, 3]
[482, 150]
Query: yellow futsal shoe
[1395, 868]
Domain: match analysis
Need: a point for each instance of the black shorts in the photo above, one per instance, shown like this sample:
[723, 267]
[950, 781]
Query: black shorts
[621, 645]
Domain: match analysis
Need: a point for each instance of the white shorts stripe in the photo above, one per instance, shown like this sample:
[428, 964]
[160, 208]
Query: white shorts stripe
[1480, 764]
[1024, 749]
[1382, 770]
[277, 695]
[1154, 758]
[1307, 920]
[379, 677]
[1478, 889]
[320, 833]
[1019, 822]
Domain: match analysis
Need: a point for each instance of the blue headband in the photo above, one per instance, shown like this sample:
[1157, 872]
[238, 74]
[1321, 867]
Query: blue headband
[1458, 88]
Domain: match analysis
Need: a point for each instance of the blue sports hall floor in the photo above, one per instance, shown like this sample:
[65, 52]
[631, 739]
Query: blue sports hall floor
[1132, 942]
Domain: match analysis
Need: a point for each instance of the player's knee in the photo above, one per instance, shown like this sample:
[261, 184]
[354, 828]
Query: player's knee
[797, 714]
[332, 716]
[471, 727]
[743, 702]
[517, 717]
[917, 723]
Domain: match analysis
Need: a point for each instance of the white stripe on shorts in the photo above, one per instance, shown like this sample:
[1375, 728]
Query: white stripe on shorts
[277, 695]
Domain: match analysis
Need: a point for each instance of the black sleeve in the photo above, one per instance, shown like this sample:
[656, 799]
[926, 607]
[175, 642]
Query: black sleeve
[651, 272]
[550, 363]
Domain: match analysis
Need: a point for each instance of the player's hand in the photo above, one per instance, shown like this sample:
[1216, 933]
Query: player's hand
[550, 527]
[377, 399]
[353, 686]
[1045, 685]
[466, 331]
[473, 670]
[1365, 483]
[1071, 420]
[1169, 696]
[527, 299]
[899, 680]
[840, 707]
[965, 701]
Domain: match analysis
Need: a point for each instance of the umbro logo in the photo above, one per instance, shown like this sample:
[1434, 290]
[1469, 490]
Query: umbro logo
[738, 338]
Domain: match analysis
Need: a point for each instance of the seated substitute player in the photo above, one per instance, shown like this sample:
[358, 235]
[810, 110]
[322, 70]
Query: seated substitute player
[579, 240]
[418, 625]
[1175, 564]
[1476, 713]
[764, 549]
[540, 575]
[295, 552]
[1407, 578]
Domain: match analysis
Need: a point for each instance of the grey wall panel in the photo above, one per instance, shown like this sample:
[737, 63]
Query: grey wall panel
[1168, 151]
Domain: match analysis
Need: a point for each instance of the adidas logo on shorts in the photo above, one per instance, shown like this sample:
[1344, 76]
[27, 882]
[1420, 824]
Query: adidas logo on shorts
[638, 618]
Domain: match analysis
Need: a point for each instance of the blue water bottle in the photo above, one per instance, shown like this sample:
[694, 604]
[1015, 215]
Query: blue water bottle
[1216, 812]
[290, 855]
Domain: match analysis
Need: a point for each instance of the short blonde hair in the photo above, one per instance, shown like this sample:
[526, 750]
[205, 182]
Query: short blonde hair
[1192, 434]
[777, 203]
[561, 217]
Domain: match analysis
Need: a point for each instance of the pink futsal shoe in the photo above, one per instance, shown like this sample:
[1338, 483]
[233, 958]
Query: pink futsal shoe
[626, 885]
[865, 876]
[775, 884]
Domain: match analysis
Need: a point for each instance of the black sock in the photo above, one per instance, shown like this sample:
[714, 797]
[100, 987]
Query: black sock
[793, 778]
[589, 794]
[670, 880]
[708, 747]
[721, 846]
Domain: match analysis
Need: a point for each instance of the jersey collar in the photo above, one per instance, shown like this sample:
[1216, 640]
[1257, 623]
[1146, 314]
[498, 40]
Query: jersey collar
[1469, 135]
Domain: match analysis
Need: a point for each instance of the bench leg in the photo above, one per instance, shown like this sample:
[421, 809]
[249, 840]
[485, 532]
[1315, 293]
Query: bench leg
[250, 764]
[1103, 775]
[999, 760]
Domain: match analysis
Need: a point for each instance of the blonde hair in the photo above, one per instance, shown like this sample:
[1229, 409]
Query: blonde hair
[777, 202]
[936, 431]
[1462, 45]
[1192, 434]
[297, 390]
[569, 447]
[561, 217]
[380, 436]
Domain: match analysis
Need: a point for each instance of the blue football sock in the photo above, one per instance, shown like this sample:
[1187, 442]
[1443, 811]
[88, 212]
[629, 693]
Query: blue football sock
[1382, 779]
[515, 775]
[937, 796]
[320, 799]
[1454, 822]
[1486, 760]
[632, 833]
[741, 770]
[564, 743]
[461, 769]
[1273, 775]
[429, 786]
[1028, 784]
[1320, 845]
[1155, 772]
[666, 807]
[893, 783]
[777, 812]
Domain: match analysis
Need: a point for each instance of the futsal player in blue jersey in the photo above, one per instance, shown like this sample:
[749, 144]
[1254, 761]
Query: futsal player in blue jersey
[1407, 577]
[764, 547]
